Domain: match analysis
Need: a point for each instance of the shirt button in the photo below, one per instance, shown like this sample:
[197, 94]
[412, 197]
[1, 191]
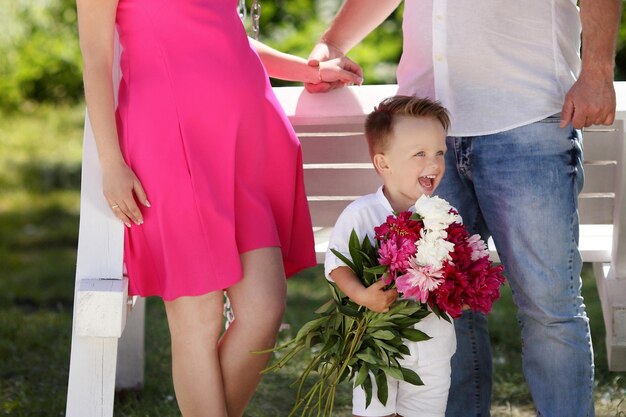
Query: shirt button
[439, 57]
[439, 17]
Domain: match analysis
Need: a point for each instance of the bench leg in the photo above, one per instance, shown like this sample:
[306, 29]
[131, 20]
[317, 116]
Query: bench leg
[612, 292]
[131, 353]
[91, 386]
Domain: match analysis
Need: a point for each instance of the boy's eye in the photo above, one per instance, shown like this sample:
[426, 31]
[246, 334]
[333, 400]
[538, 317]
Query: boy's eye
[441, 153]
[420, 153]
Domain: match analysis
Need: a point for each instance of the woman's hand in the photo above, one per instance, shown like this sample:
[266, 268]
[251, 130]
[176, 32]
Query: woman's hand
[122, 190]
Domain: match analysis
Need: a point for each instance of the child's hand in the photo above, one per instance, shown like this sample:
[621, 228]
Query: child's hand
[376, 298]
[342, 70]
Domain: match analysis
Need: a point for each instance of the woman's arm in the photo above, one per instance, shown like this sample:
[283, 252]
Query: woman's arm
[289, 67]
[96, 26]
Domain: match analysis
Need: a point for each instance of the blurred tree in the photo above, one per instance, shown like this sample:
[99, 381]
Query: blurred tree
[620, 58]
[41, 58]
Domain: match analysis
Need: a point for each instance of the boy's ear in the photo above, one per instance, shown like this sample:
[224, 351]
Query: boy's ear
[380, 163]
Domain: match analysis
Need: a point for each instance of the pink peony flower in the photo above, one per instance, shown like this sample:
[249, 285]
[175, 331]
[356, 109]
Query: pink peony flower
[395, 252]
[478, 246]
[419, 281]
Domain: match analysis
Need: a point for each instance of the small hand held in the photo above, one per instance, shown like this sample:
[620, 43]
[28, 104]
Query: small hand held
[340, 70]
[323, 51]
[376, 298]
[122, 189]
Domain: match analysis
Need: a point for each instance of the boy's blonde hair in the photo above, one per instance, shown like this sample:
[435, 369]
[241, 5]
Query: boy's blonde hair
[379, 123]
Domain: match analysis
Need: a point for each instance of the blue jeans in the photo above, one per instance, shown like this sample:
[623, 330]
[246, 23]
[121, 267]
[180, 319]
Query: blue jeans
[521, 187]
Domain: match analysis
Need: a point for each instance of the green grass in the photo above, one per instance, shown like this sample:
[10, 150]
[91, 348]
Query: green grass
[39, 180]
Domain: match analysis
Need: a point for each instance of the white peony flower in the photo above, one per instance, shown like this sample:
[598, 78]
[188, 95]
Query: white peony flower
[433, 252]
[436, 212]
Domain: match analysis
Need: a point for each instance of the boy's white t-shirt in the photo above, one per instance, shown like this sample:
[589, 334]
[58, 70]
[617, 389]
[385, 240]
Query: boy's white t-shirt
[363, 215]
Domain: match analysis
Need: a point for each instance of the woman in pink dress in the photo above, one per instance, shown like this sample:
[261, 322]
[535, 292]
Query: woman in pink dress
[200, 163]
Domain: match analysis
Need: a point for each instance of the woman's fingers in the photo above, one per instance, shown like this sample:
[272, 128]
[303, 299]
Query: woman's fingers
[140, 193]
[119, 213]
[123, 190]
[128, 211]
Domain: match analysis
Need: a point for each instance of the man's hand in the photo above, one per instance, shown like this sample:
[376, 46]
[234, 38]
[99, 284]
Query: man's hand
[590, 101]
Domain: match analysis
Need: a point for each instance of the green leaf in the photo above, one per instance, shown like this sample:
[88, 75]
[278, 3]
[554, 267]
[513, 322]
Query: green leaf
[367, 387]
[371, 251]
[404, 349]
[333, 340]
[381, 385]
[378, 324]
[384, 356]
[312, 339]
[411, 377]
[310, 326]
[326, 307]
[377, 270]
[388, 347]
[367, 260]
[416, 216]
[383, 334]
[393, 372]
[414, 335]
[368, 355]
[349, 311]
[354, 247]
[361, 375]
[337, 297]
[441, 314]
[344, 259]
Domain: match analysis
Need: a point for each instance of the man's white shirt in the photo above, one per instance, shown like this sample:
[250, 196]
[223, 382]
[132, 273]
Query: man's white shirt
[495, 65]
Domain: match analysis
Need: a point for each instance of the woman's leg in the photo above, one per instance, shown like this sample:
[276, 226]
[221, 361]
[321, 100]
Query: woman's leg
[258, 303]
[195, 325]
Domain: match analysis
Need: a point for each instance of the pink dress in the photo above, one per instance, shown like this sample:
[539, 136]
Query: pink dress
[200, 126]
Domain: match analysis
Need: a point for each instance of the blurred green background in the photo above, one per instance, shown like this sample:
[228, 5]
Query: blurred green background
[41, 121]
[41, 59]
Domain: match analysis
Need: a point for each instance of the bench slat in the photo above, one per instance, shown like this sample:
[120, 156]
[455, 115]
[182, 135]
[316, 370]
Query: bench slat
[601, 143]
[340, 182]
[334, 149]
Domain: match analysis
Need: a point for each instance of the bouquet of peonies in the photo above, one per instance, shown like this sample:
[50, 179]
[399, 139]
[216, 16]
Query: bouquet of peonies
[433, 262]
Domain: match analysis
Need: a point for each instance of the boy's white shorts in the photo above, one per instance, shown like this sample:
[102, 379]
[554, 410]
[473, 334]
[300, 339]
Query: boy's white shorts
[431, 361]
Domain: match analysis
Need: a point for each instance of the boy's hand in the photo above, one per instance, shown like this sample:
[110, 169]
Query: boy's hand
[376, 298]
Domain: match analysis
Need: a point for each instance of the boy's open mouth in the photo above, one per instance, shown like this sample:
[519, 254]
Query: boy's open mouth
[427, 181]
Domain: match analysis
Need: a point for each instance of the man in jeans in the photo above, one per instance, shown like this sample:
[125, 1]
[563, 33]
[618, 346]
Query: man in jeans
[510, 73]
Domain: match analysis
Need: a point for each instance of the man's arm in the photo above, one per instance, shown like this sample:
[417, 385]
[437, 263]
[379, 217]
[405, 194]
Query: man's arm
[354, 21]
[591, 100]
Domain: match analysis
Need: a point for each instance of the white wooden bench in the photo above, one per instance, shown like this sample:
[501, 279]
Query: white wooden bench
[337, 170]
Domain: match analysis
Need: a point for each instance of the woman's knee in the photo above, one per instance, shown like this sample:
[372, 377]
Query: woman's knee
[198, 317]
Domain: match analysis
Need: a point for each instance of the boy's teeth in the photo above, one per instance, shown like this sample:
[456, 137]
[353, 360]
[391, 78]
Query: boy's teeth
[427, 181]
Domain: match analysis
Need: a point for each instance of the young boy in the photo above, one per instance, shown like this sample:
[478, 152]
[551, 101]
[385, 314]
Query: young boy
[406, 139]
